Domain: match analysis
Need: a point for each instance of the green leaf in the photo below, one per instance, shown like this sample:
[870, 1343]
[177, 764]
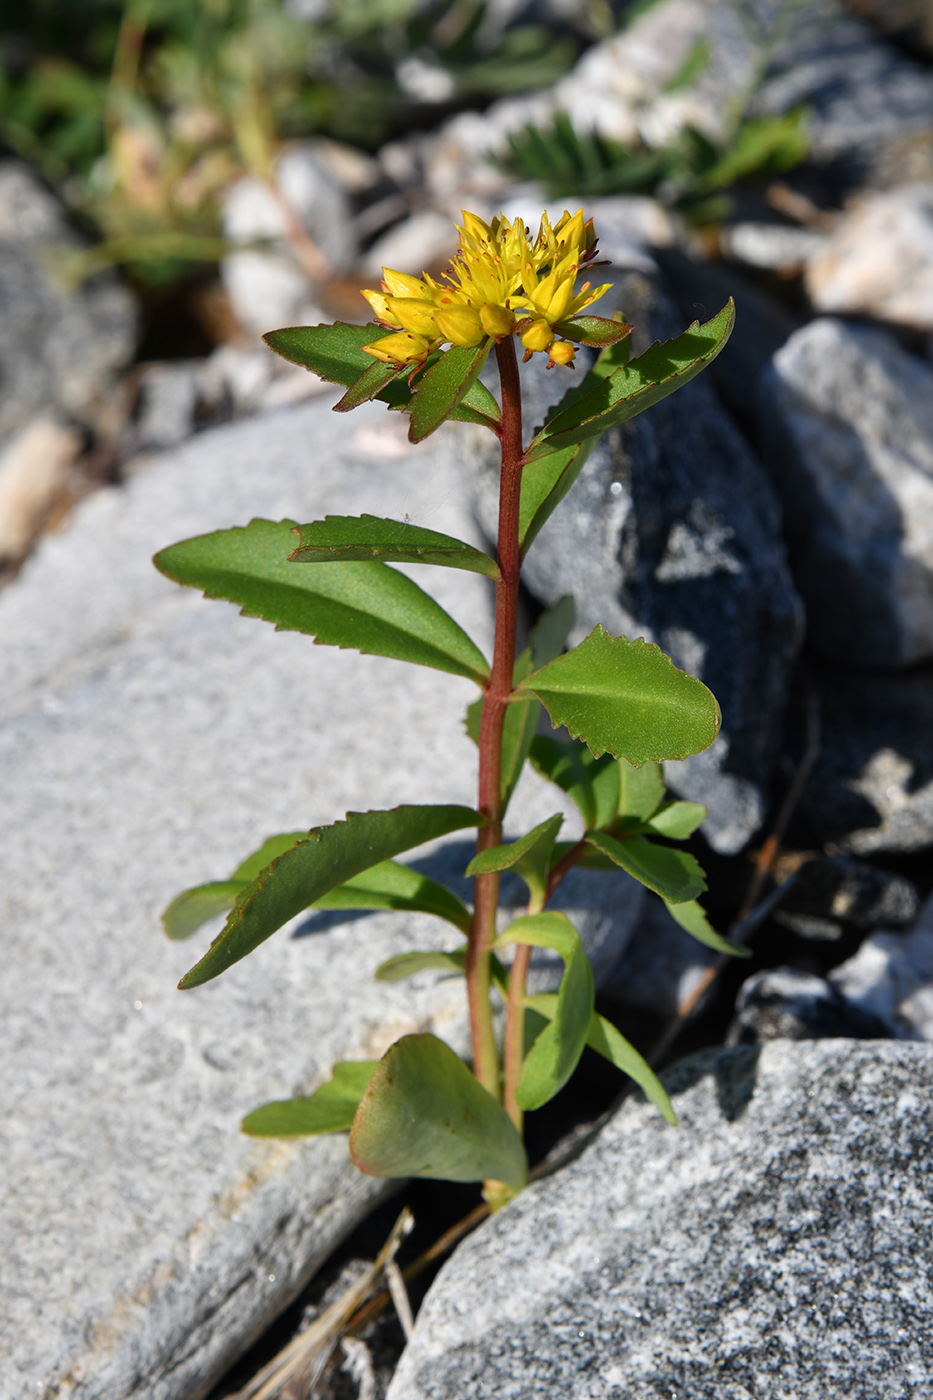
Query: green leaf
[562, 764]
[364, 605]
[369, 384]
[641, 790]
[330, 1109]
[443, 387]
[425, 1115]
[326, 857]
[545, 483]
[556, 1052]
[626, 698]
[604, 779]
[517, 730]
[672, 874]
[548, 637]
[677, 820]
[407, 964]
[345, 537]
[594, 330]
[636, 386]
[530, 856]
[335, 353]
[603, 1037]
[393, 886]
[692, 917]
[189, 910]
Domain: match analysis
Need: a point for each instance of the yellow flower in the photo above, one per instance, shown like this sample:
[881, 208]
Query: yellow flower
[500, 283]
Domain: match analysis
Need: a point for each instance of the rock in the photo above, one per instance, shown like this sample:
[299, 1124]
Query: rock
[891, 979]
[863, 99]
[59, 349]
[425, 240]
[274, 287]
[149, 740]
[847, 426]
[777, 247]
[871, 789]
[766, 1247]
[34, 471]
[879, 260]
[784, 1003]
[834, 894]
[167, 407]
[672, 533]
[908, 21]
[659, 969]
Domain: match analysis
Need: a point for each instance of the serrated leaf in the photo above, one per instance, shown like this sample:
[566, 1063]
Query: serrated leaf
[530, 856]
[330, 1109]
[518, 730]
[603, 1037]
[545, 483]
[424, 1114]
[326, 857]
[443, 387]
[390, 885]
[556, 1052]
[361, 537]
[407, 964]
[636, 386]
[189, 910]
[335, 353]
[674, 875]
[598, 331]
[548, 637]
[641, 790]
[692, 917]
[369, 605]
[626, 698]
[677, 820]
[370, 383]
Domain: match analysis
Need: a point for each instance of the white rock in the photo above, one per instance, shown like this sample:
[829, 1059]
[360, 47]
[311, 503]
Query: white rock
[150, 738]
[778, 247]
[879, 260]
[425, 240]
[34, 468]
[891, 977]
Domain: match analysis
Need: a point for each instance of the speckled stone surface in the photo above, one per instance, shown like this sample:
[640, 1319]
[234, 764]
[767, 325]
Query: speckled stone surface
[776, 1246]
[149, 740]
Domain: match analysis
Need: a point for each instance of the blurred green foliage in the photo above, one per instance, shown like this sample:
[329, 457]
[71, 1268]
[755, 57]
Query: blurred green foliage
[141, 112]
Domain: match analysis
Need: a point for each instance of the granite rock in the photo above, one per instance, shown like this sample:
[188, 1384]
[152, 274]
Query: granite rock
[834, 894]
[672, 532]
[890, 978]
[878, 261]
[149, 740]
[871, 789]
[59, 349]
[847, 426]
[784, 1003]
[773, 1245]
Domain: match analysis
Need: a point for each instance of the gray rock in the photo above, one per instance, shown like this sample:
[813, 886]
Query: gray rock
[878, 261]
[834, 894]
[275, 286]
[772, 1245]
[673, 533]
[149, 740]
[784, 1003]
[872, 786]
[659, 969]
[862, 97]
[777, 247]
[59, 349]
[847, 425]
[890, 978]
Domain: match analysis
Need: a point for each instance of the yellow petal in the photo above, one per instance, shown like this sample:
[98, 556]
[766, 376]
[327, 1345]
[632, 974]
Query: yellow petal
[380, 305]
[459, 324]
[497, 320]
[414, 315]
[400, 284]
[562, 352]
[401, 349]
[537, 336]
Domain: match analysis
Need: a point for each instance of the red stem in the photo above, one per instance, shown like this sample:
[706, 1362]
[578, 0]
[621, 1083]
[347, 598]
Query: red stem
[486, 888]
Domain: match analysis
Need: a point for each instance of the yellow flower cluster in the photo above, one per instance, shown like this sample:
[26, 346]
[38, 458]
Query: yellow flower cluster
[499, 283]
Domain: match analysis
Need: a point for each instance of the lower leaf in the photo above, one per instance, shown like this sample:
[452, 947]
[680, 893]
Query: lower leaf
[692, 917]
[424, 1114]
[330, 1109]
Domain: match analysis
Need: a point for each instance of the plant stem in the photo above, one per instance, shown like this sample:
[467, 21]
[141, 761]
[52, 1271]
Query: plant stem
[486, 888]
